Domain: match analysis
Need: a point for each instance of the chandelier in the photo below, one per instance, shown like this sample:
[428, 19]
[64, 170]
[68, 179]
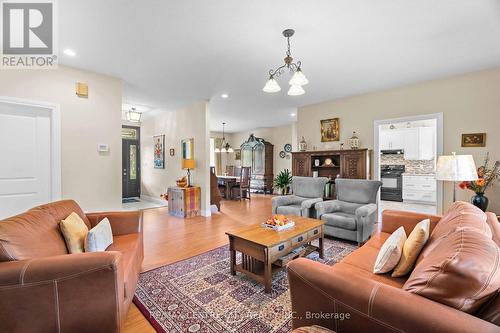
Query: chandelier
[225, 146]
[134, 116]
[298, 78]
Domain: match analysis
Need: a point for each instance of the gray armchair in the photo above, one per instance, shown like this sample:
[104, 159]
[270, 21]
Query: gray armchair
[307, 191]
[353, 215]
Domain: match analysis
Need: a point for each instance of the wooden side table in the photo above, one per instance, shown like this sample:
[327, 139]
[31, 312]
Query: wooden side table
[184, 201]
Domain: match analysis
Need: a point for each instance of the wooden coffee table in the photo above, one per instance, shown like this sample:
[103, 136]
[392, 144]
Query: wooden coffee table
[261, 247]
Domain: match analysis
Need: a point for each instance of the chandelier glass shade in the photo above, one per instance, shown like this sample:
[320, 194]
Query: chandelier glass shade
[225, 146]
[134, 116]
[298, 78]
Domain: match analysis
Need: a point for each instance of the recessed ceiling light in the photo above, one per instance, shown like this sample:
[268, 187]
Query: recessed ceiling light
[224, 96]
[69, 52]
[292, 114]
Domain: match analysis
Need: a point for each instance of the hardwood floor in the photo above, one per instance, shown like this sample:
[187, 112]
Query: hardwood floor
[168, 239]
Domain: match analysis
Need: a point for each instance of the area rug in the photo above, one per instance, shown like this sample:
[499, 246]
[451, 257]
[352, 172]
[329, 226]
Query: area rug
[199, 294]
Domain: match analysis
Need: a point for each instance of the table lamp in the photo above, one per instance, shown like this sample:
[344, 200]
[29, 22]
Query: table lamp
[456, 168]
[188, 165]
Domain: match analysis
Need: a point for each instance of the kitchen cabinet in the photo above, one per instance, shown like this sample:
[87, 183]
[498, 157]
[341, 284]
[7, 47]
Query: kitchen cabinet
[419, 143]
[419, 188]
[392, 139]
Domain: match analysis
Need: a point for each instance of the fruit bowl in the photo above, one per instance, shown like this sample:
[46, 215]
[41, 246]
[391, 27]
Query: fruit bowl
[279, 222]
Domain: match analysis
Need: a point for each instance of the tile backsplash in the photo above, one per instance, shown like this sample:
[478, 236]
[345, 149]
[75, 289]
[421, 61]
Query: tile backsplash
[412, 167]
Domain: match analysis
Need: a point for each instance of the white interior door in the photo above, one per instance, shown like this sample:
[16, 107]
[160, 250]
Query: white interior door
[25, 157]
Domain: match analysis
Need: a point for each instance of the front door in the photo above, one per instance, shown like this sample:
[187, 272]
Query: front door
[131, 175]
[25, 155]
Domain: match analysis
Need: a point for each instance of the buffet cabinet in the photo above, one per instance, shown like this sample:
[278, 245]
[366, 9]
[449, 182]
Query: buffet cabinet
[354, 164]
[257, 153]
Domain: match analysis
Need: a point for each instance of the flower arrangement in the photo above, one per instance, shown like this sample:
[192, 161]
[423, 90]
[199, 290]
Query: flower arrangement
[487, 177]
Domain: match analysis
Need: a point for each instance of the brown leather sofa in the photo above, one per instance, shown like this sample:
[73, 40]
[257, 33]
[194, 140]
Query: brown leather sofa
[326, 295]
[45, 289]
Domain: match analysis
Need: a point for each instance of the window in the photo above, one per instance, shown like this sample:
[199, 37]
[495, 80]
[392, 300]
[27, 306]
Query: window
[212, 152]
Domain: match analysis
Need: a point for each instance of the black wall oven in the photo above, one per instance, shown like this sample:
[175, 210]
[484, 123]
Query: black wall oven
[392, 182]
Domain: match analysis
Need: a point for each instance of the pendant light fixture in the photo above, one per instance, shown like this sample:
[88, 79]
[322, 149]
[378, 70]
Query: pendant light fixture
[134, 116]
[225, 146]
[298, 78]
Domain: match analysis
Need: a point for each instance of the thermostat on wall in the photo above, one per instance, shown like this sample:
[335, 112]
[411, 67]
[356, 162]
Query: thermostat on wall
[102, 147]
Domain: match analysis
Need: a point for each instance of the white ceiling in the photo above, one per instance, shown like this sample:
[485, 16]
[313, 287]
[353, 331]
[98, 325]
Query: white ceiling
[173, 52]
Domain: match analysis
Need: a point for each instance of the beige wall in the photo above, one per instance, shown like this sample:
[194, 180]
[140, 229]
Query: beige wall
[469, 103]
[189, 122]
[91, 178]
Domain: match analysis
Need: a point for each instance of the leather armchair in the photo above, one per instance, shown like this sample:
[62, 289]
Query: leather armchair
[307, 192]
[353, 215]
[82, 292]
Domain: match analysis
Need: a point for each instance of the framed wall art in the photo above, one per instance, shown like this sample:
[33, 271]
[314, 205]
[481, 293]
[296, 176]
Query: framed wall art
[159, 151]
[474, 140]
[330, 130]
[187, 149]
[237, 154]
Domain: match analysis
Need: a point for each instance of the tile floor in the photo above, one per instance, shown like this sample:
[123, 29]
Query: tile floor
[142, 204]
[412, 207]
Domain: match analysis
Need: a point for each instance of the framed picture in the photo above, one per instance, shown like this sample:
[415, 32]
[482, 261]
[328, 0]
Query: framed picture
[474, 140]
[172, 151]
[159, 151]
[330, 130]
[187, 149]
[237, 154]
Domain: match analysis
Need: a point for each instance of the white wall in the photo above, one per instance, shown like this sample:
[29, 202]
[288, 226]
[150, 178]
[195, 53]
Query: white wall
[470, 104]
[189, 122]
[92, 179]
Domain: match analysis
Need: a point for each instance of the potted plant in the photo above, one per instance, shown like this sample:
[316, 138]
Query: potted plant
[487, 176]
[283, 181]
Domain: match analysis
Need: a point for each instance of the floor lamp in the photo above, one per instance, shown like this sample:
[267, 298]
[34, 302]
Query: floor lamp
[456, 168]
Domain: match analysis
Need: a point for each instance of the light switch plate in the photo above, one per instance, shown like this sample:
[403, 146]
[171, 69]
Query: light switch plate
[102, 147]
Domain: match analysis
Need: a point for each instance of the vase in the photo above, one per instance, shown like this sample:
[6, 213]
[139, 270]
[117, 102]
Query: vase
[480, 201]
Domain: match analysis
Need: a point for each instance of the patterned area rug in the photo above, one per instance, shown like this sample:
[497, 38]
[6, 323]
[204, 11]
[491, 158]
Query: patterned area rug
[199, 294]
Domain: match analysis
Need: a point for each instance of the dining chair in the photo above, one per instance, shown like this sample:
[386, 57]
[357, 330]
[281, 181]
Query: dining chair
[237, 171]
[215, 195]
[229, 170]
[241, 189]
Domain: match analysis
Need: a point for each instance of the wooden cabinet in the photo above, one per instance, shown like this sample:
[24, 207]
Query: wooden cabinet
[353, 164]
[184, 201]
[301, 165]
[257, 153]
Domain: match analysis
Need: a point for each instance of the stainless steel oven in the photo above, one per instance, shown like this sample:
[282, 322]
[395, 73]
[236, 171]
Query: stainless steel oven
[392, 182]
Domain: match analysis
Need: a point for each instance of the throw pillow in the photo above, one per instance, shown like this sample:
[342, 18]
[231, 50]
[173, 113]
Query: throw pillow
[390, 253]
[462, 271]
[412, 247]
[99, 237]
[74, 231]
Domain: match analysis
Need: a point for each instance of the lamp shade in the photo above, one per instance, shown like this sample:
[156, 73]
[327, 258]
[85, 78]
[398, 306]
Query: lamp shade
[271, 86]
[298, 79]
[296, 90]
[188, 164]
[134, 116]
[456, 168]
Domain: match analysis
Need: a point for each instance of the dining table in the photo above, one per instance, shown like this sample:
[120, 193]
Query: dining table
[228, 181]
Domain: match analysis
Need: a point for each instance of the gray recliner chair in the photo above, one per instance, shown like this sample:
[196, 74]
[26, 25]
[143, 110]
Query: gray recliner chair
[307, 191]
[353, 215]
